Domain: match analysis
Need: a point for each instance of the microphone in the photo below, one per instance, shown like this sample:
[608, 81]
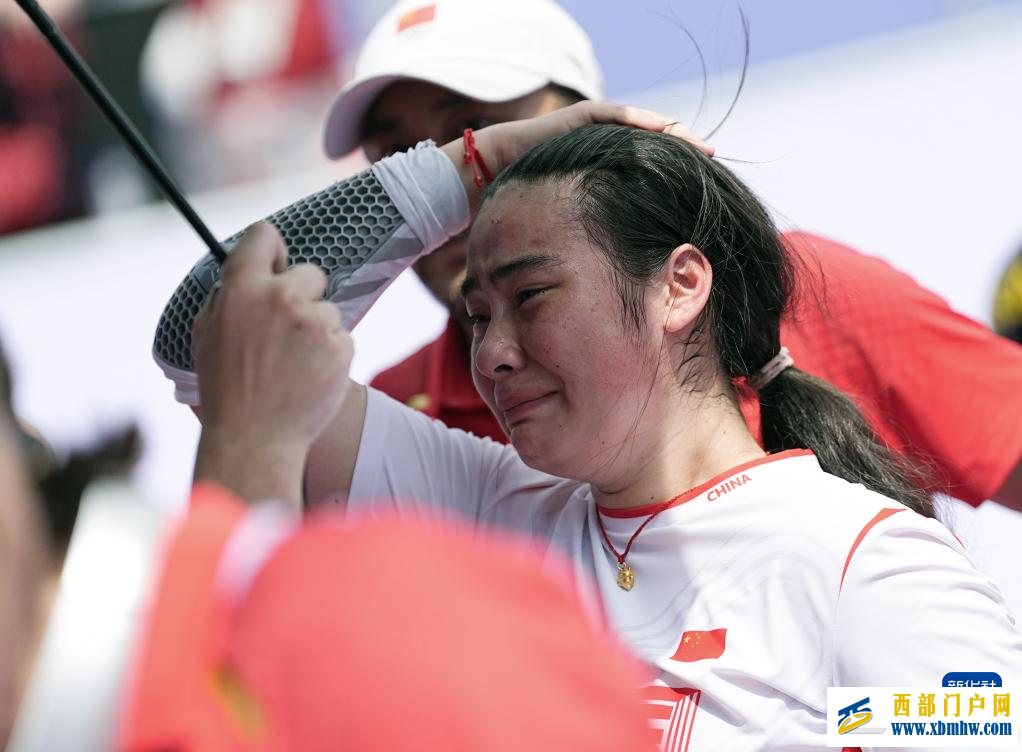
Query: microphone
[121, 123]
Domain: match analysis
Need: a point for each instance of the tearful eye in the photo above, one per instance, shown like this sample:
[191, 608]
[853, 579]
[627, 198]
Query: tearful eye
[523, 295]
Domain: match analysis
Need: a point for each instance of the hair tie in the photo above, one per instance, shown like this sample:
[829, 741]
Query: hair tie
[769, 372]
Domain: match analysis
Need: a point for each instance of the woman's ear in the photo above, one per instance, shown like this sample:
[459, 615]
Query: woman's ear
[687, 280]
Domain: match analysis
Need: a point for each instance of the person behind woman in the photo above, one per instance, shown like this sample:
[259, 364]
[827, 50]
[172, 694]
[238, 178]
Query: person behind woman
[622, 287]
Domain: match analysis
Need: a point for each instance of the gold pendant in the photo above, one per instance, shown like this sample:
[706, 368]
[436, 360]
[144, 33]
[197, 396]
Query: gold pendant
[625, 576]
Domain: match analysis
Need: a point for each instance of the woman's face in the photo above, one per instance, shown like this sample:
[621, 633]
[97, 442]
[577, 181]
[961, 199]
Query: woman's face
[567, 378]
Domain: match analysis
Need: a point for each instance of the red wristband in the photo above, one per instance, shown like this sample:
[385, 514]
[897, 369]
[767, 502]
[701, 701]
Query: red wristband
[475, 159]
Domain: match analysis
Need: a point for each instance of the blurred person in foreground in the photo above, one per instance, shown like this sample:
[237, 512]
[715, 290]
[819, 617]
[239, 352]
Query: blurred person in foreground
[409, 636]
[432, 69]
[40, 498]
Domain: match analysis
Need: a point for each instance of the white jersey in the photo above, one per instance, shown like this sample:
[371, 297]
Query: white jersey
[753, 593]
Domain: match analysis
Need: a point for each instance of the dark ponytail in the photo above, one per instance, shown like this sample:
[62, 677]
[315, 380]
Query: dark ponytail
[800, 411]
[639, 195]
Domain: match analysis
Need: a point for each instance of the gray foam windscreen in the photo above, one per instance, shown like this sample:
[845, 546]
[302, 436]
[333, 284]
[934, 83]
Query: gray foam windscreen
[338, 229]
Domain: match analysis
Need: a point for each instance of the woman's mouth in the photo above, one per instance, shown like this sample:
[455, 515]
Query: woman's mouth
[520, 409]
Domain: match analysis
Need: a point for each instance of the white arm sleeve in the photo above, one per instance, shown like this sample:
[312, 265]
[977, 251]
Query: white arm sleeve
[427, 192]
[414, 465]
[910, 577]
[362, 232]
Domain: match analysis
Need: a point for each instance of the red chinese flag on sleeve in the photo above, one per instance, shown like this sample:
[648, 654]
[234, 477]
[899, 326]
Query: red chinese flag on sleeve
[697, 644]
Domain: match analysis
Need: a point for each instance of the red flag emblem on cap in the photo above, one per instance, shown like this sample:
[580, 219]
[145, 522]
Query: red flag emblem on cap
[416, 17]
[697, 645]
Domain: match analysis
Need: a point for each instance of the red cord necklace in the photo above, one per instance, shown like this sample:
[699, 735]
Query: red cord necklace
[625, 573]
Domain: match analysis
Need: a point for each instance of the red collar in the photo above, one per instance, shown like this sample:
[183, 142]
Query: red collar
[703, 487]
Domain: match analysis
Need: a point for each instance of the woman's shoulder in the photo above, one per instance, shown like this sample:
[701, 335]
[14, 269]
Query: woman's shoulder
[842, 516]
[828, 495]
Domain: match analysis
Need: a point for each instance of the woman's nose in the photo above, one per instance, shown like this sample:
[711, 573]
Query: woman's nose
[498, 354]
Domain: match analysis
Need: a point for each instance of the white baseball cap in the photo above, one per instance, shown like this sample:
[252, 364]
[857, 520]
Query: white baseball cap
[490, 50]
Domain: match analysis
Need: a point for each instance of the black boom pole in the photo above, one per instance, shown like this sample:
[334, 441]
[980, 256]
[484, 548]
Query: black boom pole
[98, 93]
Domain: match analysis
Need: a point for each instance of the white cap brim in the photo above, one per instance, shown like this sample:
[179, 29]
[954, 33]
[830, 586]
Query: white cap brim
[484, 80]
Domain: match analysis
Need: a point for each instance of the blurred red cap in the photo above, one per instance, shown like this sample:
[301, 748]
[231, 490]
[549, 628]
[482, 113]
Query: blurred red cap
[388, 635]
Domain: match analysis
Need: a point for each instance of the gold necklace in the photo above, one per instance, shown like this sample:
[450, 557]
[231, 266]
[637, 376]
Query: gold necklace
[625, 573]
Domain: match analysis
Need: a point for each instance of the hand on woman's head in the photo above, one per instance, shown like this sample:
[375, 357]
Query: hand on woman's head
[502, 144]
[506, 142]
